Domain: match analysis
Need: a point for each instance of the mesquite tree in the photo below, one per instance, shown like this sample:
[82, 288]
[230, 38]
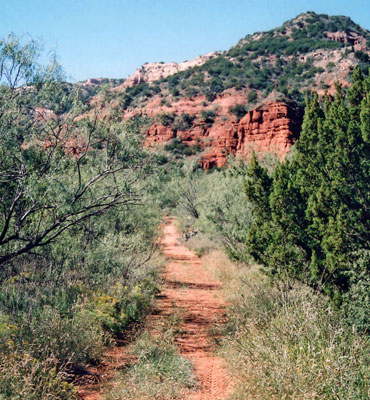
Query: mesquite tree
[56, 170]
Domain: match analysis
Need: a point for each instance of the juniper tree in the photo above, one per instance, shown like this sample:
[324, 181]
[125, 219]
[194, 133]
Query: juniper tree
[314, 214]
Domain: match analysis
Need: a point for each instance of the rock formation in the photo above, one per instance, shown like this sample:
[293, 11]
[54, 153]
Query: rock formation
[353, 38]
[269, 128]
[151, 72]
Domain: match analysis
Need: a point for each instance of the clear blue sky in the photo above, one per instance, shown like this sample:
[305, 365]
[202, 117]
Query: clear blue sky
[111, 38]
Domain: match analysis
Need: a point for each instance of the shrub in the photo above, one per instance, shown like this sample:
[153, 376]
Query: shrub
[76, 340]
[127, 305]
[216, 85]
[192, 150]
[239, 110]
[252, 96]
[191, 92]
[175, 146]
[208, 116]
[363, 57]
[183, 122]
[330, 66]
[25, 377]
[210, 96]
[175, 92]
[224, 217]
[166, 119]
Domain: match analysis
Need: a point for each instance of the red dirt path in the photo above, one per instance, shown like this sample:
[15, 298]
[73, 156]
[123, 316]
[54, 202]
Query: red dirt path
[187, 287]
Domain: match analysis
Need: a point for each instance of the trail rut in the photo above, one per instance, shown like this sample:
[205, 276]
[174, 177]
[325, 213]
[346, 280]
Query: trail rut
[188, 287]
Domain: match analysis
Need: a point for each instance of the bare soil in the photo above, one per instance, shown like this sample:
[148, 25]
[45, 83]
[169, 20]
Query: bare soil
[190, 288]
[187, 288]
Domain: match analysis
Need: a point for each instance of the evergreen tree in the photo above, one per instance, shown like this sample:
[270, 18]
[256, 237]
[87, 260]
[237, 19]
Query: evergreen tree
[312, 216]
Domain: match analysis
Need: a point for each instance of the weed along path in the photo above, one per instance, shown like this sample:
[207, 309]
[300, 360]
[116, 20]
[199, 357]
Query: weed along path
[187, 291]
[190, 289]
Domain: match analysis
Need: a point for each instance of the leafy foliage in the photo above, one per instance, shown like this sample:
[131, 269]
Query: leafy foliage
[239, 110]
[77, 228]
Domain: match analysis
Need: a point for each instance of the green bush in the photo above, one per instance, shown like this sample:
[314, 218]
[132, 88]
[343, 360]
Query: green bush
[208, 116]
[24, 377]
[252, 96]
[191, 92]
[305, 211]
[175, 146]
[76, 340]
[183, 122]
[166, 119]
[224, 216]
[239, 110]
[124, 306]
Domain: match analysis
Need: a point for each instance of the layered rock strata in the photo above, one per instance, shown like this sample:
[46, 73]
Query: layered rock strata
[270, 128]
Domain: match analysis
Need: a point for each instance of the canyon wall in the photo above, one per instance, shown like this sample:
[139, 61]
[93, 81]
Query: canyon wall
[270, 128]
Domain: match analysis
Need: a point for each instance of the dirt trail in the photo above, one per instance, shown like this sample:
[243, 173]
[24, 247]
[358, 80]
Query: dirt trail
[188, 287]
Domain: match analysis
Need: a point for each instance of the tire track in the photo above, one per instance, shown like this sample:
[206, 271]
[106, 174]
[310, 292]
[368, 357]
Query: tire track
[189, 288]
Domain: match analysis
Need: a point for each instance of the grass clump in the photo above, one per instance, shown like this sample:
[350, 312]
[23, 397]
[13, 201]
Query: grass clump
[285, 341]
[159, 372]
[25, 377]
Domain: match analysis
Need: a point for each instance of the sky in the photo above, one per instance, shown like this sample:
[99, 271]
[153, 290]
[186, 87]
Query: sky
[112, 38]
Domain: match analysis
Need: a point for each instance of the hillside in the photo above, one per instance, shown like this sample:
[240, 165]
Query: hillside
[249, 97]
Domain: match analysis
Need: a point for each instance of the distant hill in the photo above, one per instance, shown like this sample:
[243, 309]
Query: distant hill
[249, 97]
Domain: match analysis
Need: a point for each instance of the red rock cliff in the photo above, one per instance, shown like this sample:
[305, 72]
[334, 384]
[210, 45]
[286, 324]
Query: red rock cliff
[270, 128]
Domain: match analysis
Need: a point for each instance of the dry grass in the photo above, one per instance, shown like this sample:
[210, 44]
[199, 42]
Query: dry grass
[200, 244]
[159, 373]
[285, 342]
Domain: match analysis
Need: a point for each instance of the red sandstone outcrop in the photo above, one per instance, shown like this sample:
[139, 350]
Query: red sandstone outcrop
[353, 38]
[269, 128]
[158, 134]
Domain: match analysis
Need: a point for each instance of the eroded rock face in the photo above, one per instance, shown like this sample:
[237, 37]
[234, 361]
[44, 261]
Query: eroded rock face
[158, 134]
[151, 72]
[353, 38]
[96, 81]
[270, 128]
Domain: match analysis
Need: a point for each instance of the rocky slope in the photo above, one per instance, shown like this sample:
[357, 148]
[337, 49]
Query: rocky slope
[151, 72]
[249, 97]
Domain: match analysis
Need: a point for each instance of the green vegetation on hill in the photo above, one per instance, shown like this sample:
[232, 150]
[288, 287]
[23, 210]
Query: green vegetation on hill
[263, 62]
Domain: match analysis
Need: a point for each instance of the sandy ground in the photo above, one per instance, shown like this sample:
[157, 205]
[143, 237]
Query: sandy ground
[187, 288]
